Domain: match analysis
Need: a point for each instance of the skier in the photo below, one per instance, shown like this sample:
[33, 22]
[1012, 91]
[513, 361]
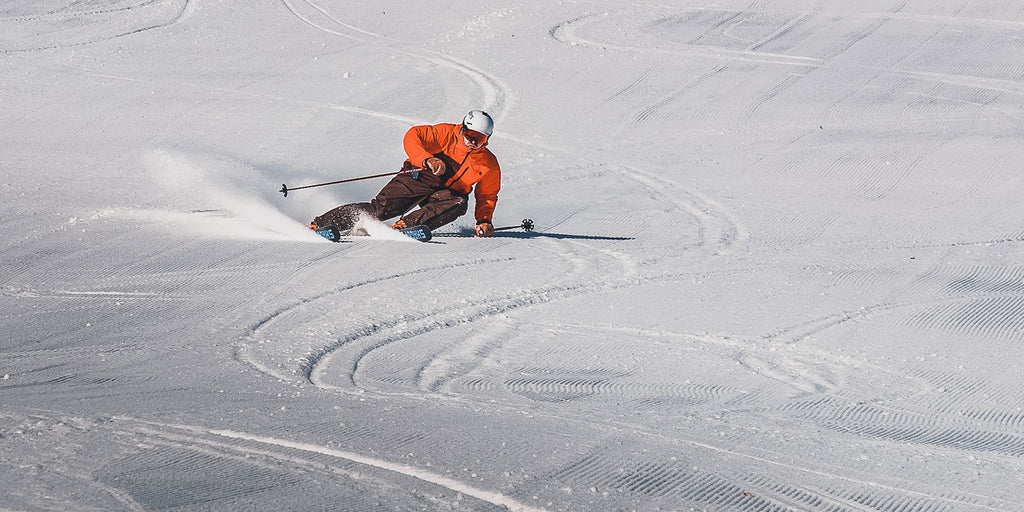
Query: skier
[446, 161]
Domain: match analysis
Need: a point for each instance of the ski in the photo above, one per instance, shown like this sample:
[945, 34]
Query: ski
[421, 233]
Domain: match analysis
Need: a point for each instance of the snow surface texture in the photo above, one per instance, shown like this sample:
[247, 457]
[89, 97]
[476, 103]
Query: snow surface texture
[778, 263]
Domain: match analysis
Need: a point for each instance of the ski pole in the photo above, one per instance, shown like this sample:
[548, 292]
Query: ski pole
[284, 188]
[527, 225]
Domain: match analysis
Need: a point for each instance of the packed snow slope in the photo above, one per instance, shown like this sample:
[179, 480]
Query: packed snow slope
[778, 265]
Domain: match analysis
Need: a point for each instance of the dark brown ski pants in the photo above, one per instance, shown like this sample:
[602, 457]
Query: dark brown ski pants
[438, 204]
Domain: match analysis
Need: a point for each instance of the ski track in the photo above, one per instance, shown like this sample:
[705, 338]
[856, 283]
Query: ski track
[125, 18]
[311, 11]
[496, 97]
[258, 464]
[256, 332]
[569, 33]
[362, 343]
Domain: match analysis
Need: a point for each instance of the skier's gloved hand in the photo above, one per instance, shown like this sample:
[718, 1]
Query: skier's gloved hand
[435, 165]
[484, 229]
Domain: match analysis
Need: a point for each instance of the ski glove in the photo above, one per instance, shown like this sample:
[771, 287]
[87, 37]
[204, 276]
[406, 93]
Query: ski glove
[484, 229]
[435, 165]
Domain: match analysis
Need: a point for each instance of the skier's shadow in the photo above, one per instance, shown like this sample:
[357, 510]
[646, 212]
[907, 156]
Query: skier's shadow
[468, 233]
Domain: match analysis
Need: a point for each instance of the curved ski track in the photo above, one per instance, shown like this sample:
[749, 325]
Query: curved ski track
[496, 97]
[569, 33]
[250, 468]
[123, 18]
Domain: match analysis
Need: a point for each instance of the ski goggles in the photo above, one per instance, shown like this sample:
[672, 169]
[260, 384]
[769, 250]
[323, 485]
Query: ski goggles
[474, 137]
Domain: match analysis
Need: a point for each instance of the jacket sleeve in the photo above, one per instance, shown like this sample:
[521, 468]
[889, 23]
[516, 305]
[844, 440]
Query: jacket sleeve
[421, 143]
[486, 193]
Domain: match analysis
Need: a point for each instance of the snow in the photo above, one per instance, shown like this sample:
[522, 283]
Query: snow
[777, 263]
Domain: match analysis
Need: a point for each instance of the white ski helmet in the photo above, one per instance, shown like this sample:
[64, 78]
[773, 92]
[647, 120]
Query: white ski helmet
[479, 121]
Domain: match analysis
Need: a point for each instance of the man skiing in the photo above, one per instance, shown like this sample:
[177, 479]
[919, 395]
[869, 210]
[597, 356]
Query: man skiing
[446, 162]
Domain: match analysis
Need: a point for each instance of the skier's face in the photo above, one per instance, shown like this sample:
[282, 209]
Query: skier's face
[473, 140]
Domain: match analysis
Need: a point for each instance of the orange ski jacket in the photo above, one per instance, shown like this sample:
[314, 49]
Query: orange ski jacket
[478, 167]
